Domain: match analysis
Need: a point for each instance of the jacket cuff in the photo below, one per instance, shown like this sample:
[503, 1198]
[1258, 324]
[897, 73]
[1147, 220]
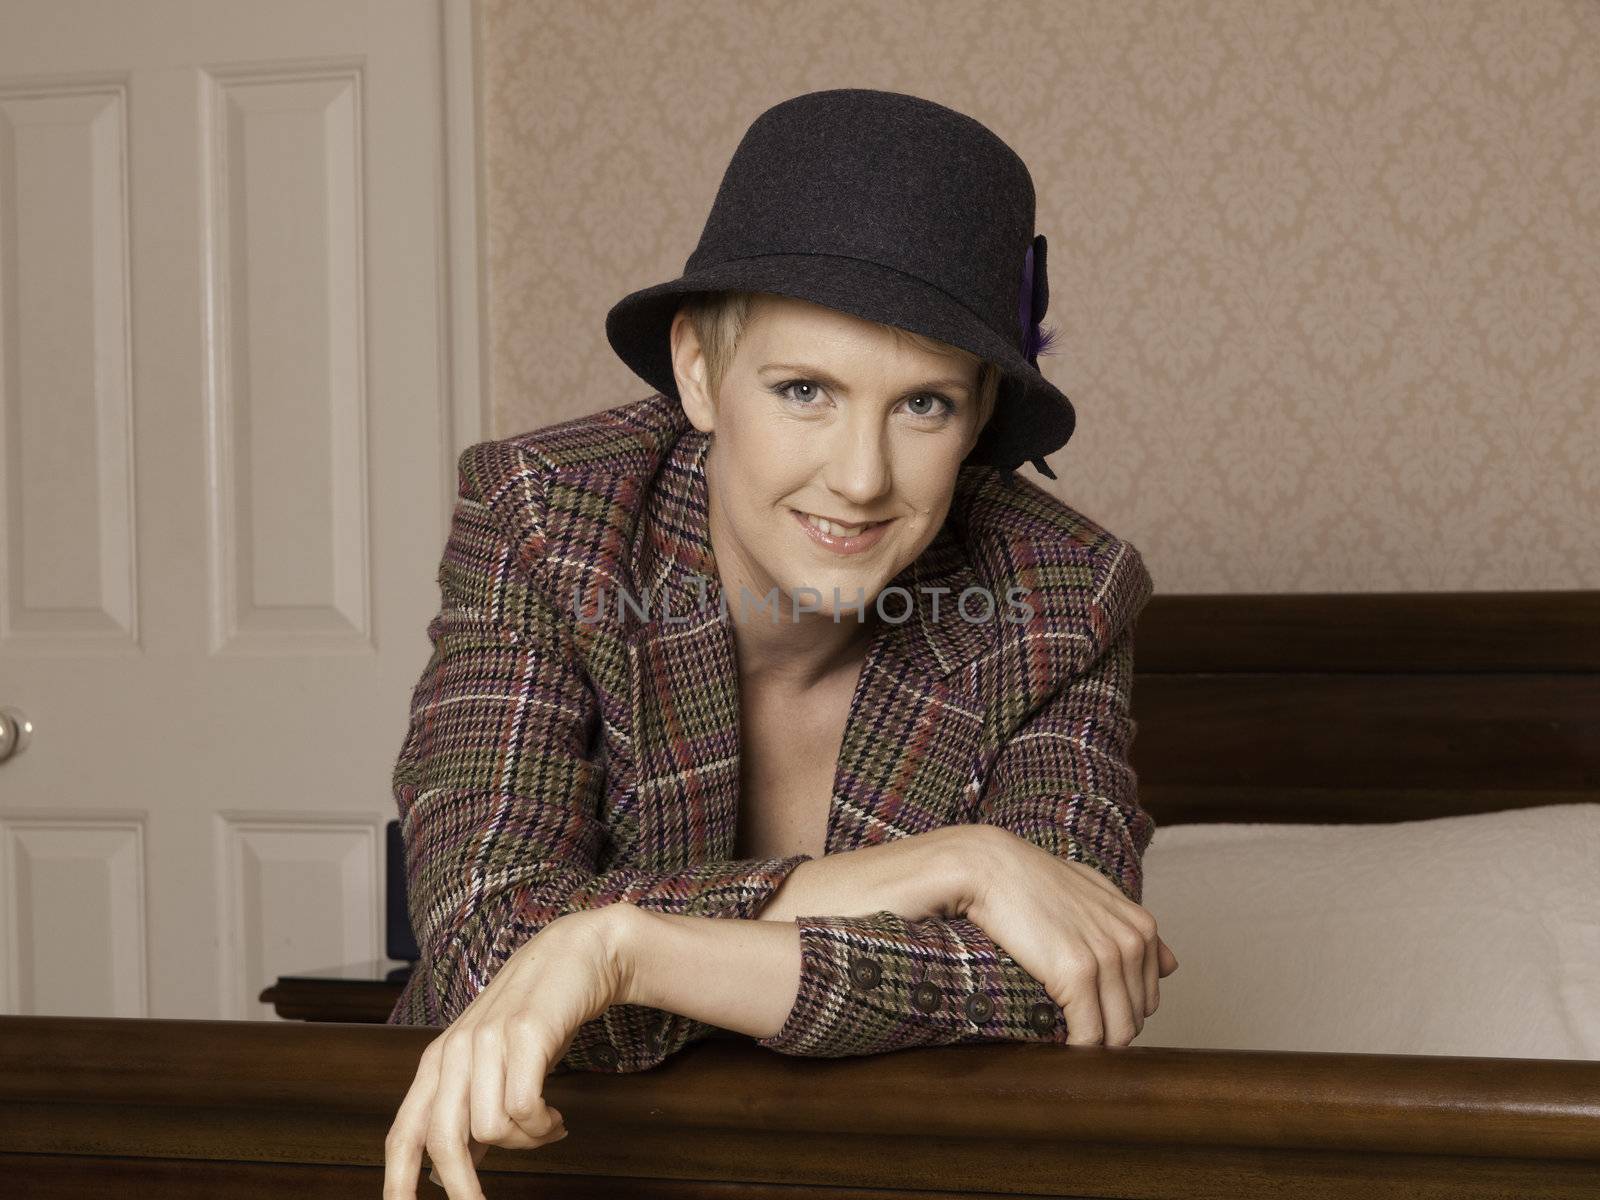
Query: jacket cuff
[881, 982]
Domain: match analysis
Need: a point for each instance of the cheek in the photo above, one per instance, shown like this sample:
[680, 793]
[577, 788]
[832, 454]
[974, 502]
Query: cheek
[762, 483]
[774, 463]
[928, 493]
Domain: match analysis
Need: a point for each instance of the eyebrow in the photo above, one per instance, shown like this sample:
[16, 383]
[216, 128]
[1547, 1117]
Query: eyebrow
[821, 376]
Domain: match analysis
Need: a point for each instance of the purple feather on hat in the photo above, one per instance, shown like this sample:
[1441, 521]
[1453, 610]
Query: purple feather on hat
[1032, 303]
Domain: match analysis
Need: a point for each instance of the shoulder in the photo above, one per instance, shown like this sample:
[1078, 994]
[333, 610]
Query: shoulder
[1085, 584]
[630, 439]
[571, 489]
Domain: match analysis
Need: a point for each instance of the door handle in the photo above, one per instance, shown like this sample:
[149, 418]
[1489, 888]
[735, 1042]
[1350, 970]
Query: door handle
[14, 730]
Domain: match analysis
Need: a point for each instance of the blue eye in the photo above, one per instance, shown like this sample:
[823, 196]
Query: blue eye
[782, 389]
[949, 404]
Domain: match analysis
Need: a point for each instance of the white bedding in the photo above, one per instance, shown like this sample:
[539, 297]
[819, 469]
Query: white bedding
[1474, 935]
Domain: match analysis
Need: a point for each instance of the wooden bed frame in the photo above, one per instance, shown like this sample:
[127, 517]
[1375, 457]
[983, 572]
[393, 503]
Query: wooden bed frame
[1355, 707]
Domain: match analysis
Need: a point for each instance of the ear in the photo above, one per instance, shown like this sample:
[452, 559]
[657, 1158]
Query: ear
[689, 371]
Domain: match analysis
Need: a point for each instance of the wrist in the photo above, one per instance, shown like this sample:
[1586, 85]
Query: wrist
[613, 934]
[976, 854]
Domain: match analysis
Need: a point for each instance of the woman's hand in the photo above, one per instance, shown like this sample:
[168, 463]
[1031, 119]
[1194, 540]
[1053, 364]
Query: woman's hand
[481, 1081]
[1095, 951]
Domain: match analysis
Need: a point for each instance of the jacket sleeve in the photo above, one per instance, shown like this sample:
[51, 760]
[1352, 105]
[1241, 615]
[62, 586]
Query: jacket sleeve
[498, 789]
[1063, 782]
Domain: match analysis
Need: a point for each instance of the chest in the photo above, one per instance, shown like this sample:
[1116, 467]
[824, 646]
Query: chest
[710, 769]
[788, 757]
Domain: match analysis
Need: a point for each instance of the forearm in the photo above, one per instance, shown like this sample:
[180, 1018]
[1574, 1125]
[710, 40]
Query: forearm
[737, 975]
[926, 875]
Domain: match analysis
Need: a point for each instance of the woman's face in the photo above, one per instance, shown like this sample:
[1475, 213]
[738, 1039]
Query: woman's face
[822, 414]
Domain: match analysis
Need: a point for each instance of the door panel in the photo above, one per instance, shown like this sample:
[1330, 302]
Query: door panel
[225, 467]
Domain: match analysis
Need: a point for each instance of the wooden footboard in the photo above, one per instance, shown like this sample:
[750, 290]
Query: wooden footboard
[1365, 707]
[179, 1109]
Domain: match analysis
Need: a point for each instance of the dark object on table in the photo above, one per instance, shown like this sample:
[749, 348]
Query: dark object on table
[363, 992]
[399, 942]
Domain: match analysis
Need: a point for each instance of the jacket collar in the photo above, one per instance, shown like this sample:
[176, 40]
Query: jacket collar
[676, 567]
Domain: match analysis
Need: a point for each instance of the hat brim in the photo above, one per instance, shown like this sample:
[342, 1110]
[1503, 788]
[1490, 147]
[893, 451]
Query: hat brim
[1032, 416]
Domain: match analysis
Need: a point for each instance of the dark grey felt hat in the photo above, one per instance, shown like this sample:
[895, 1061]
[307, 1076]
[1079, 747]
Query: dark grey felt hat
[890, 208]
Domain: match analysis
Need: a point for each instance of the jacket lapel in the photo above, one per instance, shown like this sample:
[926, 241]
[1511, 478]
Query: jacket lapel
[683, 672]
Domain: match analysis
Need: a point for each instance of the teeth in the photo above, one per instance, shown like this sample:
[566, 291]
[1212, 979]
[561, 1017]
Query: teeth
[829, 527]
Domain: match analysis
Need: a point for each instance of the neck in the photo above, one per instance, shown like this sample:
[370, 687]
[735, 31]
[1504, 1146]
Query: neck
[773, 643]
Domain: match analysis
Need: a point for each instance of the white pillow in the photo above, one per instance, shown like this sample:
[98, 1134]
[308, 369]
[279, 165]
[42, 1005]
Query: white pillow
[1473, 935]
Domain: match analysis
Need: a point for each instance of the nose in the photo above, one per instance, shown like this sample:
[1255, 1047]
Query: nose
[859, 460]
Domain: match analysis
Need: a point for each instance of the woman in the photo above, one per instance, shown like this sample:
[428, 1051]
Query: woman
[787, 637]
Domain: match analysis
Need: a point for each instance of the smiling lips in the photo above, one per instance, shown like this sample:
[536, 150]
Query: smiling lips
[841, 539]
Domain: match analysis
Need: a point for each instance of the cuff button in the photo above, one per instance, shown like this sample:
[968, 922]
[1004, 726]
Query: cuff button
[865, 972]
[1043, 1017]
[926, 996]
[979, 1008]
[606, 1054]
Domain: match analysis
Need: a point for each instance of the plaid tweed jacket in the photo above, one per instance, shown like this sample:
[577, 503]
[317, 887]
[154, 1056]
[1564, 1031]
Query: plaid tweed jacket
[555, 763]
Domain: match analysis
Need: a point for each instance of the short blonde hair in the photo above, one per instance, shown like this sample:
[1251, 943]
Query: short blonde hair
[720, 318]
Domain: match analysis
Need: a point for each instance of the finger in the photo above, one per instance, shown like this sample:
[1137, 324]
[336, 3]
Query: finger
[486, 1105]
[1169, 960]
[450, 1130]
[1116, 1006]
[1085, 1021]
[527, 1064]
[1152, 976]
[402, 1150]
[478, 1151]
[1131, 956]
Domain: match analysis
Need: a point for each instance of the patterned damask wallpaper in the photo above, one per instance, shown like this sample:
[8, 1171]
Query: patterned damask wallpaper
[1326, 272]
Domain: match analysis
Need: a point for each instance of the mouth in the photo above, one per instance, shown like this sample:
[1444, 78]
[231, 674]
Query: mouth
[841, 538]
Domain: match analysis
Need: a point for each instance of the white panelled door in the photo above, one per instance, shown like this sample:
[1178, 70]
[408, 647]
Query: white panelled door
[227, 437]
